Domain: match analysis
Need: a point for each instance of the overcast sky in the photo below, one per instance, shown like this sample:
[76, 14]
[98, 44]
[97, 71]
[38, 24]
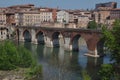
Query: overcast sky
[62, 4]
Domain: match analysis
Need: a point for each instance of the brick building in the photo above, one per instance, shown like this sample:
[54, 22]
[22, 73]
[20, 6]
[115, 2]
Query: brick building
[115, 13]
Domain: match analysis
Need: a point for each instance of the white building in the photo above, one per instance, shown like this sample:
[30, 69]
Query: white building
[62, 16]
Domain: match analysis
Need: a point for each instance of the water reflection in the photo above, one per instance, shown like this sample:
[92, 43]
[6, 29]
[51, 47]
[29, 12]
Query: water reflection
[59, 64]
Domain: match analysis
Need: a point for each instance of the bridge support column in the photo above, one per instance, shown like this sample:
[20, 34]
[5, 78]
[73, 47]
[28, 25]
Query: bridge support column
[33, 34]
[67, 45]
[92, 48]
[21, 38]
[48, 41]
[61, 41]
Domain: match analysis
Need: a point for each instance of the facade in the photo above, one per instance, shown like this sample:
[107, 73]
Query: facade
[62, 17]
[3, 33]
[54, 15]
[101, 16]
[71, 17]
[46, 16]
[83, 21]
[115, 14]
[28, 18]
[108, 5]
[2, 19]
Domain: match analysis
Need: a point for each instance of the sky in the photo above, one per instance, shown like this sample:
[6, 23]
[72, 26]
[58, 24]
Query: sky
[61, 4]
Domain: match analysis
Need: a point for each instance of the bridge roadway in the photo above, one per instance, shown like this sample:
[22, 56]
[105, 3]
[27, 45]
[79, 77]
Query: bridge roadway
[67, 37]
[60, 29]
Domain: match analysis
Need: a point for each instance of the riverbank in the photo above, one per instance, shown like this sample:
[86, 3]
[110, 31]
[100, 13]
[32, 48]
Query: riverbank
[17, 74]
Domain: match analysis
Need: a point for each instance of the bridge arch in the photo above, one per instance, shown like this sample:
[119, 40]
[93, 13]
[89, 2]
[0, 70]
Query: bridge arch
[40, 37]
[74, 42]
[78, 42]
[27, 36]
[57, 39]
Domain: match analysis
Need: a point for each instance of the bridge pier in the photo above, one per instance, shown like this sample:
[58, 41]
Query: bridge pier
[48, 41]
[61, 41]
[21, 38]
[92, 53]
[92, 47]
[67, 45]
[34, 40]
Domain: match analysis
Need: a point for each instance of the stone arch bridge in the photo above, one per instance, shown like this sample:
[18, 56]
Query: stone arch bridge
[64, 37]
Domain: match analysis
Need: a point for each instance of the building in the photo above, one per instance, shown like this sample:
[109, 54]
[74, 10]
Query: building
[71, 17]
[111, 5]
[115, 14]
[83, 21]
[63, 16]
[2, 19]
[100, 16]
[3, 33]
[46, 16]
[28, 18]
[54, 15]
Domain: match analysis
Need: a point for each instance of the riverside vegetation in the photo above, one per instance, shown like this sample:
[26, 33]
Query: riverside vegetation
[112, 42]
[17, 58]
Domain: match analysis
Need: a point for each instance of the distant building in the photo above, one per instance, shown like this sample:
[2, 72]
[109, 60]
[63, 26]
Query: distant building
[71, 17]
[101, 16]
[115, 14]
[62, 17]
[46, 16]
[111, 5]
[2, 19]
[29, 18]
[54, 15]
[3, 33]
[83, 21]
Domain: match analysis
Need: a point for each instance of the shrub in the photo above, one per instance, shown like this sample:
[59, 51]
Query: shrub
[12, 56]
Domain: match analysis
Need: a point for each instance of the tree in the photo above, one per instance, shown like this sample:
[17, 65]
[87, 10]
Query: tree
[112, 41]
[92, 25]
[106, 72]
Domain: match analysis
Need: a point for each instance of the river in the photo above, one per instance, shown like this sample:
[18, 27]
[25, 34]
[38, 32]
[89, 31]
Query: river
[59, 64]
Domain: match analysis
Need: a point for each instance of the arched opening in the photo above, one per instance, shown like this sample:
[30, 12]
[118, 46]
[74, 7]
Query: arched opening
[79, 44]
[55, 39]
[82, 45]
[27, 36]
[40, 37]
[75, 45]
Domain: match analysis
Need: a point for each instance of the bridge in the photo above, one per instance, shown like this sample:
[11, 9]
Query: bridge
[60, 37]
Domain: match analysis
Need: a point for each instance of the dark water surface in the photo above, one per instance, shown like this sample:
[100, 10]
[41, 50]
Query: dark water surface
[59, 64]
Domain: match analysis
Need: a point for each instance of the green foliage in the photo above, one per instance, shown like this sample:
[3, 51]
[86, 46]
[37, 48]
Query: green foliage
[92, 25]
[85, 75]
[112, 41]
[25, 57]
[34, 73]
[106, 72]
[12, 56]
